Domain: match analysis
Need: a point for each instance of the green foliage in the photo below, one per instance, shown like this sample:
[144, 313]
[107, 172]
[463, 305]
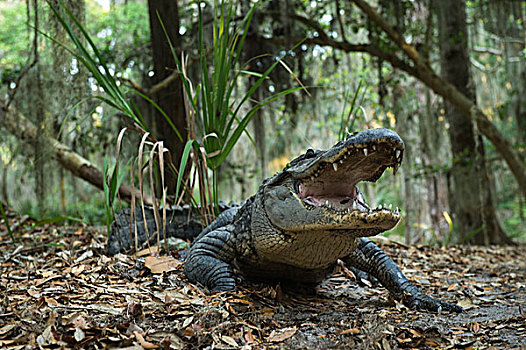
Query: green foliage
[91, 57]
[113, 180]
[58, 219]
[213, 105]
[95, 63]
[116, 50]
[122, 35]
[14, 50]
[347, 123]
[513, 215]
[92, 212]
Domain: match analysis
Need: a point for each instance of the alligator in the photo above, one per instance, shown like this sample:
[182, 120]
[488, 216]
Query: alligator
[302, 221]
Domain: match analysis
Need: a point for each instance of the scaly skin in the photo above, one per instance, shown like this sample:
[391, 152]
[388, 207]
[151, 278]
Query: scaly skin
[284, 233]
[302, 220]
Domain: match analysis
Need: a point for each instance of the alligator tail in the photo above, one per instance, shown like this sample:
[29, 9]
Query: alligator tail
[181, 222]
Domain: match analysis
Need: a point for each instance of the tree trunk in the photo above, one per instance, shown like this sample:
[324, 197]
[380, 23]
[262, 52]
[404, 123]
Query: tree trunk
[470, 193]
[65, 90]
[36, 109]
[255, 47]
[170, 98]
[517, 67]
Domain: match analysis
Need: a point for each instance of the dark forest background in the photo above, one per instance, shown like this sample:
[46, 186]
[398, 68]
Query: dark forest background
[449, 76]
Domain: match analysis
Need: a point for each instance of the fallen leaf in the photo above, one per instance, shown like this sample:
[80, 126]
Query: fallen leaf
[249, 337]
[189, 332]
[350, 331]
[267, 312]
[466, 303]
[51, 301]
[77, 270]
[145, 344]
[415, 333]
[148, 251]
[79, 334]
[161, 264]
[281, 334]
[85, 255]
[229, 340]
[7, 328]
[6, 342]
[308, 324]
[188, 321]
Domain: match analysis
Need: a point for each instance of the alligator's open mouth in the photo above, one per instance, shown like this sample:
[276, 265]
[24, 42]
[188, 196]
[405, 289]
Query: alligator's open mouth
[331, 182]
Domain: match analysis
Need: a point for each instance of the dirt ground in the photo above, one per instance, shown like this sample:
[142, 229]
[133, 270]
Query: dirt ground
[59, 290]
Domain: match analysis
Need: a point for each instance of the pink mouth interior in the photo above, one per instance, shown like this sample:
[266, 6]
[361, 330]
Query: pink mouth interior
[337, 195]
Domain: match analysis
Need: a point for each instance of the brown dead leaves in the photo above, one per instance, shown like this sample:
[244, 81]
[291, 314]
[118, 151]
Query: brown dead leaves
[161, 264]
[58, 289]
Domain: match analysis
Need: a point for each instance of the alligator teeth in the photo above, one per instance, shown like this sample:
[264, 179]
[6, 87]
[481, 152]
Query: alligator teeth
[335, 166]
[327, 203]
[395, 168]
[354, 206]
[374, 147]
[380, 207]
[365, 152]
[390, 207]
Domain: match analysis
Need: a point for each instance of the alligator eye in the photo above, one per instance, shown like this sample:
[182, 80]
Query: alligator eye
[309, 153]
[297, 186]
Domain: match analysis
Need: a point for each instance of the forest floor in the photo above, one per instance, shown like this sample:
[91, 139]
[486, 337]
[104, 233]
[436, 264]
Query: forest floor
[59, 290]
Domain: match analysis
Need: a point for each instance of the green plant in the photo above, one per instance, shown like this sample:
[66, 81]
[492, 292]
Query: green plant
[444, 240]
[93, 60]
[351, 116]
[212, 104]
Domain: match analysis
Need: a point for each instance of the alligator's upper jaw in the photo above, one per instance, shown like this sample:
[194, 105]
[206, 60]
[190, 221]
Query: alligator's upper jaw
[329, 181]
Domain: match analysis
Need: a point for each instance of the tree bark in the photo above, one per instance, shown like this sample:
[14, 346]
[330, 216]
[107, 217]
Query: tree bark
[18, 125]
[470, 191]
[170, 97]
[37, 113]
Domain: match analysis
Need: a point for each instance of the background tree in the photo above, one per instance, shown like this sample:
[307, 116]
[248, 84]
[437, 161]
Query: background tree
[470, 193]
[385, 55]
[170, 96]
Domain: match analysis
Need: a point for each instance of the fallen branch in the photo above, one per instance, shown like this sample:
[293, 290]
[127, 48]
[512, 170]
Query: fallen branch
[18, 125]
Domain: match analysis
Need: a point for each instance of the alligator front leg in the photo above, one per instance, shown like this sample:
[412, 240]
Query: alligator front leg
[208, 260]
[371, 259]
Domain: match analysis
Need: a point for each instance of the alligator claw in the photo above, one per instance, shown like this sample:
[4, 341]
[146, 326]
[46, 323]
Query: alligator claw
[421, 301]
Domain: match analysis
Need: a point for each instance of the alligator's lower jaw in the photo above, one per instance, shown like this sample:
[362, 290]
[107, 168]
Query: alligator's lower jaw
[341, 204]
[379, 218]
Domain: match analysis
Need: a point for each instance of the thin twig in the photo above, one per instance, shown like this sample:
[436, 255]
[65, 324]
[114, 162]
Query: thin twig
[340, 20]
